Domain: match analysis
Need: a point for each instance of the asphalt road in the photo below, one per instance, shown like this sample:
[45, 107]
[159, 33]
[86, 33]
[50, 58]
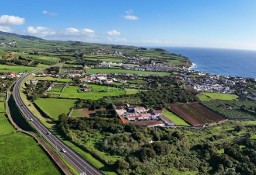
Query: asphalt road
[82, 166]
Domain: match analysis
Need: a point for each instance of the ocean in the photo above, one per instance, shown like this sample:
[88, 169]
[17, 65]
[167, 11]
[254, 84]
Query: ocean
[220, 61]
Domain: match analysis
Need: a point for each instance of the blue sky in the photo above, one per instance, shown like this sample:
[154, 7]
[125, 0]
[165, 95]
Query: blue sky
[186, 23]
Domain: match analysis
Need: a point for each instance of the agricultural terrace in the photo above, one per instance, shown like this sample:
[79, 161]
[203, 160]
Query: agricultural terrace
[174, 118]
[208, 96]
[124, 71]
[54, 107]
[196, 114]
[6, 68]
[97, 92]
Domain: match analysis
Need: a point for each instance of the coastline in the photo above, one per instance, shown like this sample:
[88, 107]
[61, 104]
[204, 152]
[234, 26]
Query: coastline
[224, 62]
[193, 66]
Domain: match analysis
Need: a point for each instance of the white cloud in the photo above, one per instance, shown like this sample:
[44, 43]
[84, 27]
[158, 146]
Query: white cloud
[40, 31]
[79, 32]
[130, 16]
[45, 12]
[88, 31]
[6, 20]
[71, 31]
[5, 29]
[113, 33]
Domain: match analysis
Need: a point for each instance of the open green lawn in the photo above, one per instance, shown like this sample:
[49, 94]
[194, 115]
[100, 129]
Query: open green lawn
[54, 107]
[131, 91]
[208, 96]
[176, 120]
[6, 68]
[5, 126]
[58, 87]
[20, 154]
[2, 107]
[40, 58]
[123, 71]
[77, 113]
[105, 59]
[73, 92]
[95, 87]
[2, 53]
[65, 80]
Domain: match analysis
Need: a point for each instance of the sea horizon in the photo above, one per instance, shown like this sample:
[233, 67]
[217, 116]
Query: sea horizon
[221, 61]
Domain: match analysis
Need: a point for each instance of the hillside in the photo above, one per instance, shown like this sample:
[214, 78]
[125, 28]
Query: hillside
[79, 51]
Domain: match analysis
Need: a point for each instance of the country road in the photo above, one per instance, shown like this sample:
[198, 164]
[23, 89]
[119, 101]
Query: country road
[81, 165]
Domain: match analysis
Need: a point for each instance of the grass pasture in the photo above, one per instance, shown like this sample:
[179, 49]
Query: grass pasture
[174, 118]
[2, 107]
[208, 96]
[40, 58]
[58, 87]
[105, 59]
[124, 71]
[98, 92]
[5, 126]
[54, 107]
[20, 154]
[64, 80]
[77, 113]
[6, 68]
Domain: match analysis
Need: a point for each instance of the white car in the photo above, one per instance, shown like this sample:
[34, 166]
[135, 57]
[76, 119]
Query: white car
[63, 150]
[31, 119]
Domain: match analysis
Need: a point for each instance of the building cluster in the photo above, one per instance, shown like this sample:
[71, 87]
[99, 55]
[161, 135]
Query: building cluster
[100, 79]
[9, 44]
[143, 116]
[159, 67]
[10, 75]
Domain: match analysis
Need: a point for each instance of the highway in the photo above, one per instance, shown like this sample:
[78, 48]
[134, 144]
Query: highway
[81, 165]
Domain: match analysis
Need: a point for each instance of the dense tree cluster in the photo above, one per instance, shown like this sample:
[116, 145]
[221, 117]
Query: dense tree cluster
[145, 150]
[34, 91]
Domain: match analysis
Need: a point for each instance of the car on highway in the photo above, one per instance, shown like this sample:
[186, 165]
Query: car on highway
[31, 120]
[48, 133]
[63, 150]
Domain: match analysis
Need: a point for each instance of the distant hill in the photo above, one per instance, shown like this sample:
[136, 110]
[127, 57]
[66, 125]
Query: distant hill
[4, 36]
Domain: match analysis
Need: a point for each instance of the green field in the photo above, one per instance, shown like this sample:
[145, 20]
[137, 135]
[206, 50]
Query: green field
[208, 96]
[77, 113]
[2, 107]
[58, 87]
[131, 91]
[6, 68]
[5, 126]
[100, 91]
[54, 107]
[20, 154]
[123, 71]
[65, 80]
[105, 59]
[174, 118]
[40, 58]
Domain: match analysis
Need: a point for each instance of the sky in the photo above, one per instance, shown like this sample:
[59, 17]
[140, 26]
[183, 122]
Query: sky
[175, 23]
